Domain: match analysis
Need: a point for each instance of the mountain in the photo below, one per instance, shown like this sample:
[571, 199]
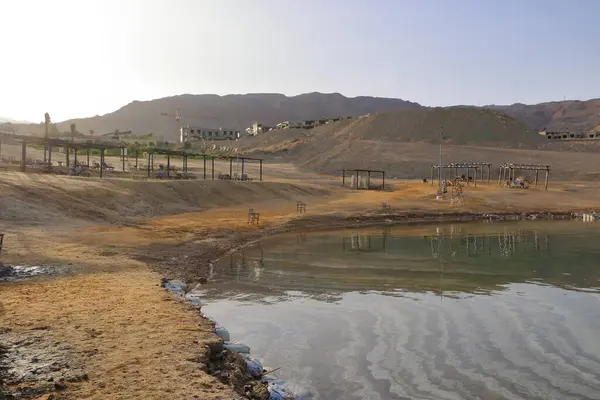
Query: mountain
[240, 111]
[12, 121]
[230, 111]
[573, 115]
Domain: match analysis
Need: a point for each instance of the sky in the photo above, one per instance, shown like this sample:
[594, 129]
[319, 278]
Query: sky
[79, 58]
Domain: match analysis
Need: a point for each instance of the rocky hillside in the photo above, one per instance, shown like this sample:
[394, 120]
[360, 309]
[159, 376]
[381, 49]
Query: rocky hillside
[231, 111]
[404, 143]
[558, 115]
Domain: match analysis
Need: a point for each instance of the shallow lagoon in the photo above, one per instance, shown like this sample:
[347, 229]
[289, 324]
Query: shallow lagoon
[463, 311]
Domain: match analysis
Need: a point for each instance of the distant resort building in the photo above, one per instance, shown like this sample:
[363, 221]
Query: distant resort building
[258, 128]
[572, 135]
[199, 133]
[308, 123]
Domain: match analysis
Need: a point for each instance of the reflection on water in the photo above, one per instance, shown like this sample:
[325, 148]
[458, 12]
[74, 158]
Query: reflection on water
[469, 311]
[455, 242]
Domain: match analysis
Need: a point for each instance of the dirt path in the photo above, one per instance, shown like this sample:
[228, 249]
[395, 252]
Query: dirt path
[107, 328]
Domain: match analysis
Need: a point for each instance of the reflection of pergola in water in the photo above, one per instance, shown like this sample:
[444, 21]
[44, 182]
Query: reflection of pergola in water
[358, 183]
[508, 172]
[477, 167]
[239, 262]
[69, 146]
[475, 245]
[186, 155]
[365, 243]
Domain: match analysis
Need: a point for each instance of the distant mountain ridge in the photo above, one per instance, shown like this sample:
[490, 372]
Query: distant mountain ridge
[238, 111]
[4, 120]
[230, 111]
[571, 115]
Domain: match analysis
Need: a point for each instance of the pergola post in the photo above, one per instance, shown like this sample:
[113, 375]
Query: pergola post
[383, 180]
[343, 177]
[152, 162]
[357, 185]
[213, 168]
[489, 172]
[547, 178]
[123, 158]
[260, 169]
[136, 159]
[230, 168]
[168, 166]
[45, 151]
[88, 157]
[148, 167]
[23, 156]
[204, 169]
[500, 171]
[49, 154]
[74, 156]
[68, 149]
[243, 167]
[101, 162]
[432, 172]
[368, 179]
[537, 172]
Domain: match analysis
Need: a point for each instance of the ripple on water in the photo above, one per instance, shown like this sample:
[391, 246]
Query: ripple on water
[512, 315]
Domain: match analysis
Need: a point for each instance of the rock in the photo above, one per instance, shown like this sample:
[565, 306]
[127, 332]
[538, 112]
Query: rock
[60, 386]
[224, 377]
[257, 391]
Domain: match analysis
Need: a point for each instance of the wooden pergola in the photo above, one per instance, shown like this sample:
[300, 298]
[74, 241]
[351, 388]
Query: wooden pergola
[508, 172]
[356, 172]
[456, 167]
[68, 145]
[185, 156]
[243, 160]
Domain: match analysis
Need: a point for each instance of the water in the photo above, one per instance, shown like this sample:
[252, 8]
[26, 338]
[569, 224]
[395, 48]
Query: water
[469, 311]
[20, 272]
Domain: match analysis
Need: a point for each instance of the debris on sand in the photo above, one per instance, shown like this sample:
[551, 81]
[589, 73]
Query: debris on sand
[32, 365]
[19, 272]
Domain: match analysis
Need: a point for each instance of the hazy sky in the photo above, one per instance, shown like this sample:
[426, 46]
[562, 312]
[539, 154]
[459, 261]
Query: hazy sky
[78, 58]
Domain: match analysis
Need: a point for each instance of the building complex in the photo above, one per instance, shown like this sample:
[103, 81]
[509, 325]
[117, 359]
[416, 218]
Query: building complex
[199, 133]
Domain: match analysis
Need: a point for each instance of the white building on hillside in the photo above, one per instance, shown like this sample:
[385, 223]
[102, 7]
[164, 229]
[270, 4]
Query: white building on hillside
[257, 128]
[198, 133]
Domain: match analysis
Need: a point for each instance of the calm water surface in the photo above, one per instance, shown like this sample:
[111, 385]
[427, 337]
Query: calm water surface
[467, 311]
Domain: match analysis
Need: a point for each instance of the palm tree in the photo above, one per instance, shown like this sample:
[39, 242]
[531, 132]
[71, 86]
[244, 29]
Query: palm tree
[73, 131]
[47, 122]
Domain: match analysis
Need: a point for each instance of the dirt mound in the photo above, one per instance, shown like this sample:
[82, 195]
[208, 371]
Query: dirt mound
[404, 143]
[460, 125]
[36, 199]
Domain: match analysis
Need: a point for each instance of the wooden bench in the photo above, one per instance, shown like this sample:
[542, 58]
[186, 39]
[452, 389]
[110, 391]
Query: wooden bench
[253, 217]
[300, 207]
[385, 207]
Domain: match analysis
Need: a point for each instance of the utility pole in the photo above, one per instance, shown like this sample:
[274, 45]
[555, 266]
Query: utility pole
[440, 166]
